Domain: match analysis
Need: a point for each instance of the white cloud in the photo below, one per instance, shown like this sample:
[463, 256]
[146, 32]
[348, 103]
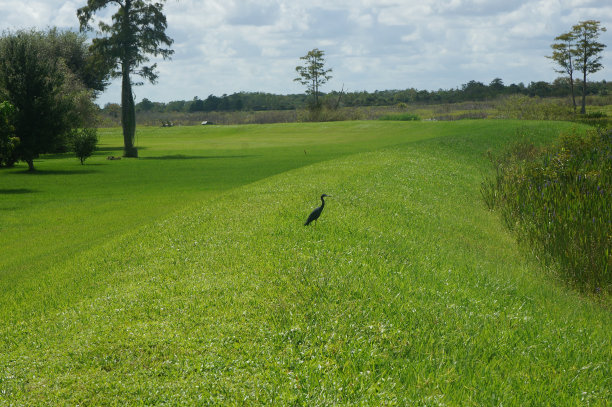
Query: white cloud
[66, 15]
[225, 46]
[18, 14]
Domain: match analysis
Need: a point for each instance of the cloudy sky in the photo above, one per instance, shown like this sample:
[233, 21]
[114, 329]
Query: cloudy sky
[227, 46]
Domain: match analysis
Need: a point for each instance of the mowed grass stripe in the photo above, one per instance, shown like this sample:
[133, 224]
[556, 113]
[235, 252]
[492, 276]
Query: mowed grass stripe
[65, 208]
[48, 217]
[407, 291]
[78, 208]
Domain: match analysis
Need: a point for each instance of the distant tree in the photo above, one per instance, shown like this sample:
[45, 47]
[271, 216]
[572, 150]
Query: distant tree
[175, 106]
[235, 102]
[540, 88]
[211, 103]
[313, 73]
[587, 52]
[84, 143]
[563, 56]
[145, 105]
[8, 140]
[138, 30]
[497, 86]
[197, 105]
[474, 90]
[561, 87]
[112, 110]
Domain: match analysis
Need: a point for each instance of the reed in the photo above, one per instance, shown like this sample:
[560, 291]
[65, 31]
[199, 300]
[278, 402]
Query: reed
[558, 200]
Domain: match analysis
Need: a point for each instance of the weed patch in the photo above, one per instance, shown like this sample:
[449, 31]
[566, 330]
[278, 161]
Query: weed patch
[558, 199]
[405, 117]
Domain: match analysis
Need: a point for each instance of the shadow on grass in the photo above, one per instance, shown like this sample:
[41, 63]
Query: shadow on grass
[52, 156]
[17, 191]
[194, 157]
[57, 172]
[113, 149]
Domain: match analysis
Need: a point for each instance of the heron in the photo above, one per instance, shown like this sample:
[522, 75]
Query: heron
[314, 215]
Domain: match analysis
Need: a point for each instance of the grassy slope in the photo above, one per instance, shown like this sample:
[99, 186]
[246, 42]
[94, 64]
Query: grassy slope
[66, 207]
[406, 290]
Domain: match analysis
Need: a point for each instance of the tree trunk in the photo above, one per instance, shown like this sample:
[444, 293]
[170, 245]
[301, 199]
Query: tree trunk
[571, 72]
[584, 89]
[30, 162]
[128, 114]
[573, 92]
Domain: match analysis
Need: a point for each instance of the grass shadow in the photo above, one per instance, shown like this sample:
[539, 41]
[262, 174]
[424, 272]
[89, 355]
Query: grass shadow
[56, 172]
[51, 156]
[17, 191]
[113, 149]
[194, 157]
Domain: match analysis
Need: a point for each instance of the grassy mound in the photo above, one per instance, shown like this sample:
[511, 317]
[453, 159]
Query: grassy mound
[407, 291]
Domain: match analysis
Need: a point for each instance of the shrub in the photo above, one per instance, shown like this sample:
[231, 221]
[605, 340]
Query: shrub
[595, 115]
[400, 117]
[558, 200]
[84, 143]
[462, 116]
[324, 114]
[599, 119]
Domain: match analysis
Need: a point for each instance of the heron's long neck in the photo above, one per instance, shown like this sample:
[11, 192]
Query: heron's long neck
[322, 202]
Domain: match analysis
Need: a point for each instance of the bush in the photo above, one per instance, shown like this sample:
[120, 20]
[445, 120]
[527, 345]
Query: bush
[558, 200]
[599, 119]
[84, 143]
[595, 115]
[400, 117]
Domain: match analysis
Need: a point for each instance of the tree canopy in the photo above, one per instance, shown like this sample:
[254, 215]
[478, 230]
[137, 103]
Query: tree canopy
[37, 78]
[313, 73]
[587, 51]
[563, 56]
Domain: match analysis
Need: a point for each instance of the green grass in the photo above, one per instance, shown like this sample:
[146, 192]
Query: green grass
[65, 207]
[408, 291]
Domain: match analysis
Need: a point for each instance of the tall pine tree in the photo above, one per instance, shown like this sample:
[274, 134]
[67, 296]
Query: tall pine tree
[564, 57]
[138, 30]
[587, 52]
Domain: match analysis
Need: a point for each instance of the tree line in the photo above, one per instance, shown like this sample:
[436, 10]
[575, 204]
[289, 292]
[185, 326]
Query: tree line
[468, 92]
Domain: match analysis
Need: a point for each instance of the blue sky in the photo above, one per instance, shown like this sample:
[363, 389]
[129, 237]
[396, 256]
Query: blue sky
[227, 46]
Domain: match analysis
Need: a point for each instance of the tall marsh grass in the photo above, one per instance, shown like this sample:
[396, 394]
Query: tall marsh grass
[523, 107]
[559, 199]
[405, 117]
